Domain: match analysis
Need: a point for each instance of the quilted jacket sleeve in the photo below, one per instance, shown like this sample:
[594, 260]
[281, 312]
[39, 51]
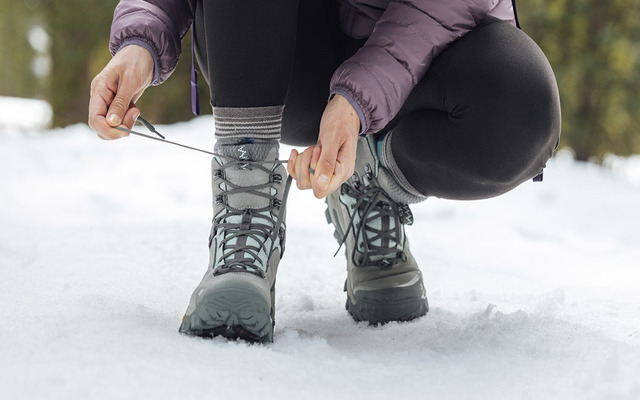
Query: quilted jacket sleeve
[157, 25]
[405, 40]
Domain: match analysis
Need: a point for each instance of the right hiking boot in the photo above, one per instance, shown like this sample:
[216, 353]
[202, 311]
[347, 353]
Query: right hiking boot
[236, 297]
[383, 282]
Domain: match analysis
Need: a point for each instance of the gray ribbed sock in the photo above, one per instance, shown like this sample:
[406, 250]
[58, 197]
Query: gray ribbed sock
[399, 189]
[248, 122]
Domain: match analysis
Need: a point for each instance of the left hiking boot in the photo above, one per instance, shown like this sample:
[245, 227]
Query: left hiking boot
[236, 298]
[383, 281]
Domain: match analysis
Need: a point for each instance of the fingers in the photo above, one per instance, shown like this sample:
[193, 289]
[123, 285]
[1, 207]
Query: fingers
[324, 181]
[307, 167]
[337, 168]
[101, 96]
[131, 116]
[115, 90]
[302, 164]
[102, 124]
[291, 165]
[346, 162]
[333, 158]
[120, 107]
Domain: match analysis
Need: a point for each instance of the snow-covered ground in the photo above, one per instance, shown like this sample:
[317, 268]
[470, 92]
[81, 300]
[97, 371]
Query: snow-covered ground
[534, 295]
[20, 114]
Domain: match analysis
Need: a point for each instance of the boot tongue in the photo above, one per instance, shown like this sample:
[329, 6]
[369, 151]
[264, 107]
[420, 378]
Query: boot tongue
[247, 174]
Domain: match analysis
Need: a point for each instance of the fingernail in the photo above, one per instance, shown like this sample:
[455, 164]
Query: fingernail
[323, 181]
[113, 120]
[291, 156]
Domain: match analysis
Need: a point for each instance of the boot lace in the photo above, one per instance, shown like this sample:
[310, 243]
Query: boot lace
[246, 232]
[377, 222]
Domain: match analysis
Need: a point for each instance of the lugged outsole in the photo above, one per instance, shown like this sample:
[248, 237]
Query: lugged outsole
[384, 310]
[233, 314]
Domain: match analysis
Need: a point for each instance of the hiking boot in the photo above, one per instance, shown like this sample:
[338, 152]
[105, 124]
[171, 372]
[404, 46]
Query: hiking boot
[236, 298]
[383, 281]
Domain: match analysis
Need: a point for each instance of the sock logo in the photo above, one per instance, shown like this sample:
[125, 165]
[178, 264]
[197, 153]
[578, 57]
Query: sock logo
[243, 153]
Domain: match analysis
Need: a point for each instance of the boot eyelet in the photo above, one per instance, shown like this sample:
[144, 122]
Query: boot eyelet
[368, 171]
[275, 178]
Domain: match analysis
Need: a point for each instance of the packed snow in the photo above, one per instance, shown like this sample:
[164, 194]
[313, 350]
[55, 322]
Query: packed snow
[533, 295]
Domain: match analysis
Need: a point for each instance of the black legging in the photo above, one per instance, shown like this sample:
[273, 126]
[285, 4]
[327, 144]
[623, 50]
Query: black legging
[485, 118]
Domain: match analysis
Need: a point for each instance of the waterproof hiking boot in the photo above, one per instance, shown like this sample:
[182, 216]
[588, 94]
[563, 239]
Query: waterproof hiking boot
[236, 296]
[383, 282]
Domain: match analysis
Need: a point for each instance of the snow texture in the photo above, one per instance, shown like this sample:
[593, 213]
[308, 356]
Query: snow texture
[534, 295]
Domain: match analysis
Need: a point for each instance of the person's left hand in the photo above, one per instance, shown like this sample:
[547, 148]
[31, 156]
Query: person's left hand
[333, 158]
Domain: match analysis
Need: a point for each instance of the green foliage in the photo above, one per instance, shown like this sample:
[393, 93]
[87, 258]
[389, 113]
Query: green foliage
[17, 19]
[594, 48]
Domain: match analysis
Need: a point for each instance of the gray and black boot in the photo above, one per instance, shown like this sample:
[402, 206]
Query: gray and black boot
[236, 296]
[383, 282]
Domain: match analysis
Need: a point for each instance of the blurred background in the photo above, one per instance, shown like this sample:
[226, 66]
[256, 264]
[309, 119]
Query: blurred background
[51, 50]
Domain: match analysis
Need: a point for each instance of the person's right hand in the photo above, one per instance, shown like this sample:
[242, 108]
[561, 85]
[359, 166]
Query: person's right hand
[328, 164]
[115, 90]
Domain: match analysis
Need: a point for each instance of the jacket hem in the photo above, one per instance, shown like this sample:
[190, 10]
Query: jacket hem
[355, 104]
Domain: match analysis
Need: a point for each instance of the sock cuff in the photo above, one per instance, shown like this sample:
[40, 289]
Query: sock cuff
[248, 122]
[400, 189]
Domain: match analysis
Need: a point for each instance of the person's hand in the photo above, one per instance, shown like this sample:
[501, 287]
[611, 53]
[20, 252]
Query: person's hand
[333, 158]
[115, 90]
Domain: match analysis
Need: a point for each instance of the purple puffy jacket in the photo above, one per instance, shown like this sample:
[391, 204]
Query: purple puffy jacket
[404, 37]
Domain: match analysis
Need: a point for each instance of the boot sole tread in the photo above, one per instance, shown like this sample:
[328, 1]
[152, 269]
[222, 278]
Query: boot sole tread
[233, 314]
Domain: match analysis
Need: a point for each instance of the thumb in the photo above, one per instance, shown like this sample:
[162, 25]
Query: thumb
[119, 106]
[325, 168]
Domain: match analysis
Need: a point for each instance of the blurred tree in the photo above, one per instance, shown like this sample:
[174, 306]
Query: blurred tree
[77, 28]
[594, 48]
[23, 64]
